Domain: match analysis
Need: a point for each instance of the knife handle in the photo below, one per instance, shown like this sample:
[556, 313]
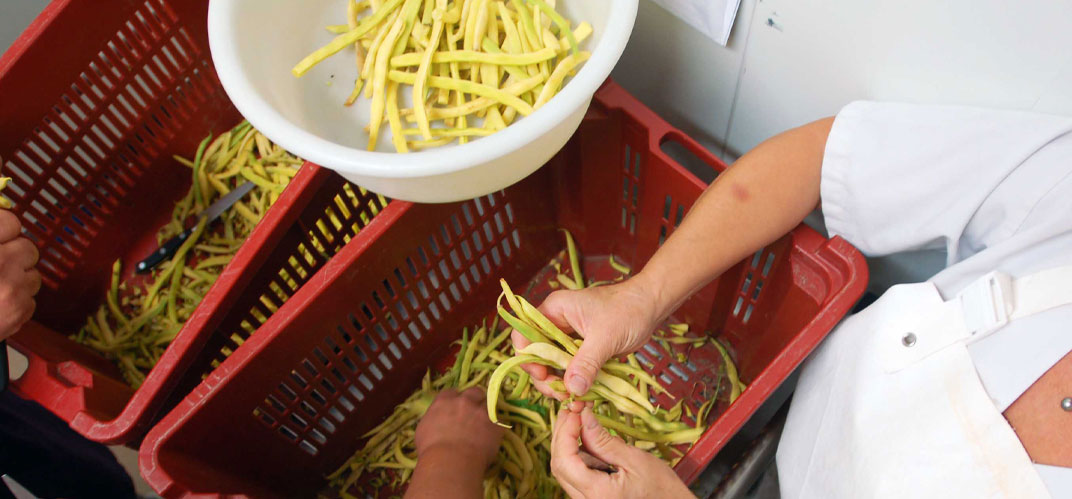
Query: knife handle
[3, 367]
[166, 251]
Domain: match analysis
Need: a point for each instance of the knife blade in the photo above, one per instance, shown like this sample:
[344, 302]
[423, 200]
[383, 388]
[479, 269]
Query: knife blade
[168, 249]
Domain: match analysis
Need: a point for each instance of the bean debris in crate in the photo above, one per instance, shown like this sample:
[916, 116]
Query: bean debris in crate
[627, 400]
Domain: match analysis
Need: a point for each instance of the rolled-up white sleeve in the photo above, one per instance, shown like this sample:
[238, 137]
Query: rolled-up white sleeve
[899, 177]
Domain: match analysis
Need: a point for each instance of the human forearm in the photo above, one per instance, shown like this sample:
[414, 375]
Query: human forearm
[763, 195]
[448, 474]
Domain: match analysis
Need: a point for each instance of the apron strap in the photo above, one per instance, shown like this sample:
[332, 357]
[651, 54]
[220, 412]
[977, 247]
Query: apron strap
[996, 298]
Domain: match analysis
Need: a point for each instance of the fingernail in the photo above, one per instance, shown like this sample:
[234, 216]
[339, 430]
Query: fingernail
[577, 385]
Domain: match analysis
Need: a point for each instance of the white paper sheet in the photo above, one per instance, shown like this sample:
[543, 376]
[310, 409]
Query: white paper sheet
[713, 18]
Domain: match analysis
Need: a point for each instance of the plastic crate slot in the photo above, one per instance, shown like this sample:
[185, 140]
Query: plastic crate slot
[678, 372]
[365, 381]
[412, 298]
[308, 447]
[319, 437]
[402, 312]
[444, 236]
[404, 339]
[499, 223]
[373, 347]
[36, 149]
[327, 425]
[380, 331]
[666, 380]
[680, 216]
[747, 314]
[424, 319]
[349, 364]
[337, 414]
[355, 392]
[287, 432]
[468, 216]
[737, 306]
[654, 352]
[444, 271]
[298, 420]
[308, 408]
[398, 273]
[265, 417]
[755, 292]
[434, 245]
[770, 263]
[338, 375]
[385, 361]
[466, 253]
[288, 392]
[457, 226]
[465, 286]
[299, 379]
[319, 354]
[747, 282]
[60, 134]
[415, 330]
[275, 403]
[387, 287]
[510, 216]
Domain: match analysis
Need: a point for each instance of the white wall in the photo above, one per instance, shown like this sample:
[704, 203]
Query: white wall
[791, 61]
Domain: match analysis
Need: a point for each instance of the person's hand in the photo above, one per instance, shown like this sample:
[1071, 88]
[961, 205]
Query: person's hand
[638, 474]
[457, 424]
[19, 282]
[613, 320]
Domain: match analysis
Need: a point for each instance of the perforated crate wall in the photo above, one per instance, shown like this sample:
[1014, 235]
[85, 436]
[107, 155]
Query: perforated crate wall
[356, 340]
[98, 97]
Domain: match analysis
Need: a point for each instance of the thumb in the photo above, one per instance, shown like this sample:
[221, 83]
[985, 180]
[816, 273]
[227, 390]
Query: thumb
[582, 370]
[600, 443]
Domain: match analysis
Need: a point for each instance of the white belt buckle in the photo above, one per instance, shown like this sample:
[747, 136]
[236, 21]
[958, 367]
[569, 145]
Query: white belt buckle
[987, 304]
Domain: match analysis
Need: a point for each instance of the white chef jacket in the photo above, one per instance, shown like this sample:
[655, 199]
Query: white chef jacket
[994, 188]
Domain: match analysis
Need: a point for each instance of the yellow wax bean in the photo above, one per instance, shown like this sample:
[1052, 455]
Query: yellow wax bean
[472, 56]
[467, 87]
[342, 41]
[558, 76]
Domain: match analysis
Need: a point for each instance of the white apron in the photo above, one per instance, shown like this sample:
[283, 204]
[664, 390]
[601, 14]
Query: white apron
[896, 407]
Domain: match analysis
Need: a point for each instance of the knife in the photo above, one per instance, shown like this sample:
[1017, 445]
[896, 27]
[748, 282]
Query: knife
[168, 249]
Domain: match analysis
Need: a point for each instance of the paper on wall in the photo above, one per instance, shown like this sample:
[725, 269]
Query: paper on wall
[713, 18]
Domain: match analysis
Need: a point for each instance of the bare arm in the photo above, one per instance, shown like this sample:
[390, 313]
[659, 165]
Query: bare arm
[764, 195]
[761, 197]
[455, 444]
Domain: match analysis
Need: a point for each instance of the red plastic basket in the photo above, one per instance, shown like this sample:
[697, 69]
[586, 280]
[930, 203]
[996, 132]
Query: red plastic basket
[289, 406]
[98, 96]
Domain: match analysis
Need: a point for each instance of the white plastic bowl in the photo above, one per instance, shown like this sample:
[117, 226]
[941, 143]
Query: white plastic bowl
[255, 43]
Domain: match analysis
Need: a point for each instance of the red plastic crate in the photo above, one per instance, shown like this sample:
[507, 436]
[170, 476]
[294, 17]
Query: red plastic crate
[289, 406]
[98, 96]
